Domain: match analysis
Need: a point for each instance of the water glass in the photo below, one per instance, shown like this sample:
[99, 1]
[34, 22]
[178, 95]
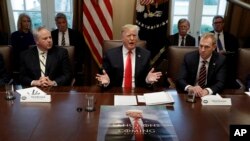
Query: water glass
[89, 103]
[9, 90]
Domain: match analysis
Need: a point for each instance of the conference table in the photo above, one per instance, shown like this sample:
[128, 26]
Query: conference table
[64, 118]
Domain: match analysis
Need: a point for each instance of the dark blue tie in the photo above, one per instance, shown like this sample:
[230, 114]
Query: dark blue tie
[219, 43]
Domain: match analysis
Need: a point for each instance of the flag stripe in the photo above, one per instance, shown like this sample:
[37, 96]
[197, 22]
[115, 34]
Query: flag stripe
[97, 25]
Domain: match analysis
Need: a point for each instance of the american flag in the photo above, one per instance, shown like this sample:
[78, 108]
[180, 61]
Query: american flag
[97, 25]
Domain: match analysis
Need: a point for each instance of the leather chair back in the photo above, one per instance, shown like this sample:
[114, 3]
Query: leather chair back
[243, 68]
[108, 44]
[5, 50]
[71, 52]
[175, 57]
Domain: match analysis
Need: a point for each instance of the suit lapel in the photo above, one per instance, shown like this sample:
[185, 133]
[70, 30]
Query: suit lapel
[36, 62]
[138, 60]
[212, 65]
[48, 62]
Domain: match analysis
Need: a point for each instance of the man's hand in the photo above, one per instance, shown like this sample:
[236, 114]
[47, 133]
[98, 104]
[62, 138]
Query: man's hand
[198, 91]
[153, 77]
[103, 79]
[43, 82]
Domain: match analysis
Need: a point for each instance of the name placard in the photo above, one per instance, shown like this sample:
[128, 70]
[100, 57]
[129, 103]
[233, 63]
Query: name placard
[35, 98]
[33, 94]
[222, 101]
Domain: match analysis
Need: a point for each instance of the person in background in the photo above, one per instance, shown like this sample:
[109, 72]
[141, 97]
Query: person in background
[45, 65]
[115, 63]
[65, 36]
[203, 72]
[21, 39]
[228, 45]
[182, 38]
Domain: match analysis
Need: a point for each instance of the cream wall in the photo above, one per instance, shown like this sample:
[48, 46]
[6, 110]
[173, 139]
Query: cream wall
[123, 13]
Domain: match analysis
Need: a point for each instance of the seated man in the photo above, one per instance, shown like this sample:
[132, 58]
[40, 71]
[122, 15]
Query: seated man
[43, 65]
[182, 38]
[203, 72]
[127, 65]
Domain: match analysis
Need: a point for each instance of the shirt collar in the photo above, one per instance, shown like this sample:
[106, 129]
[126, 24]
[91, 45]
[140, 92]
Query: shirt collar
[40, 51]
[125, 50]
[208, 59]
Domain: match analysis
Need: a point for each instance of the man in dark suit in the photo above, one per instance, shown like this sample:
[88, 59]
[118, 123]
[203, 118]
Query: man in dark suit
[229, 47]
[71, 38]
[128, 129]
[114, 62]
[190, 77]
[44, 65]
[182, 38]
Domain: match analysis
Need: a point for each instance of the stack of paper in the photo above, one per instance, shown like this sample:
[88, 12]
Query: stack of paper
[158, 98]
[125, 100]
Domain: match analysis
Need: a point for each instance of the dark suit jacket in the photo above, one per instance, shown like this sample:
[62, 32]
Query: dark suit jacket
[113, 65]
[173, 40]
[122, 130]
[75, 39]
[215, 75]
[58, 67]
[231, 46]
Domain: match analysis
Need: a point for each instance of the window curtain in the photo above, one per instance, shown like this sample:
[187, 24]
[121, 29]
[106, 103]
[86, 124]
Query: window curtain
[237, 20]
[4, 22]
[90, 68]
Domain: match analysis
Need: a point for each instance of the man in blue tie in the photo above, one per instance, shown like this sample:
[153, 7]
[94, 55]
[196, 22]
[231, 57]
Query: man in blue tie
[227, 44]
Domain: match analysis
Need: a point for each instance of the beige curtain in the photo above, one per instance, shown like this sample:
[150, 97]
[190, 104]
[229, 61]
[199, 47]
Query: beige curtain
[90, 66]
[238, 21]
[4, 21]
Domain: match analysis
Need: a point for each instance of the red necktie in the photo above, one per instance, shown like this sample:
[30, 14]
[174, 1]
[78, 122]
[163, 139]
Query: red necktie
[202, 75]
[138, 132]
[128, 72]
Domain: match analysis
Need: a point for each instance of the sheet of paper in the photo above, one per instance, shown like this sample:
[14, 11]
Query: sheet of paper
[248, 93]
[217, 96]
[158, 98]
[31, 91]
[125, 100]
[141, 98]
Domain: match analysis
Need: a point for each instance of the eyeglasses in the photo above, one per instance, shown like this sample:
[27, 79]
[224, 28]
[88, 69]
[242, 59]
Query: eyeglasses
[218, 22]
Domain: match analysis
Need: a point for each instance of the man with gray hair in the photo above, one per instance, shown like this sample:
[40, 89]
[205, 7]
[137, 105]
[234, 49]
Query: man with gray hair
[65, 36]
[45, 65]
[182, 38]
